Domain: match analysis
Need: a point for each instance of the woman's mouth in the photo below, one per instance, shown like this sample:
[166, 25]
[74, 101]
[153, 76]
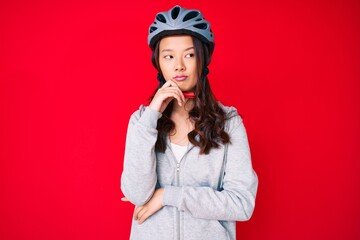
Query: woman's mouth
[180, 78]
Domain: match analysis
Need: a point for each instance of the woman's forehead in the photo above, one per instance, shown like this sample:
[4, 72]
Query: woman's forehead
[176, 42]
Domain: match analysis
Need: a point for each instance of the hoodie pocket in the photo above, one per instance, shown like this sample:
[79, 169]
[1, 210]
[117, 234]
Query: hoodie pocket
[203, 229]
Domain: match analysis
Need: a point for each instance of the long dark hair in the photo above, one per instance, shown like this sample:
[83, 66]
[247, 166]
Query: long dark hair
[208, 116]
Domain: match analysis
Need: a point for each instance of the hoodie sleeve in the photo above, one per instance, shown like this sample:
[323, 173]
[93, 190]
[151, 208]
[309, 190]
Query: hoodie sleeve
[138, 179]
[236, 201]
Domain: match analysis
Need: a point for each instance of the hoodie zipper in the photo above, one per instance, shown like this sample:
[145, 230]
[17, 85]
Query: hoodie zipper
[178, 212]
[178, 185]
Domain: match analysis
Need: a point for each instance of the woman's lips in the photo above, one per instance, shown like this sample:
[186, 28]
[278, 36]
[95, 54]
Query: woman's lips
[180, 78]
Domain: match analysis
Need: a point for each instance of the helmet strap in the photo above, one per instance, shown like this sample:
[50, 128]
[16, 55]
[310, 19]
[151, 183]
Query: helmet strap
[161, 79]
[204, 74]
[205, 71]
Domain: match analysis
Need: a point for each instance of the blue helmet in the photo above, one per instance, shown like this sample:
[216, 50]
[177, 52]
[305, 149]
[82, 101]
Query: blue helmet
[178, 21]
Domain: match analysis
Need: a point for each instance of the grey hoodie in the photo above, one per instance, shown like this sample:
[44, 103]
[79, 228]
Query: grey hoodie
[204, 195]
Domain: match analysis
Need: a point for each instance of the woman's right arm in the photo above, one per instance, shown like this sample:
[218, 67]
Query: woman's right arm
[139, 178]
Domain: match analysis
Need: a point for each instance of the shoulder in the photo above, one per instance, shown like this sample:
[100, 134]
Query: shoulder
[233, 118]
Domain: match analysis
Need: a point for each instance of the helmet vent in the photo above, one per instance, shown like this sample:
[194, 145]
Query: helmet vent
[201, 26]
[152, 29]
[175, 12]
[190, 15]
[161, 18]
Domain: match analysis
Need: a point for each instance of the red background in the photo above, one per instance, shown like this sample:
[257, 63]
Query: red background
[71, 73]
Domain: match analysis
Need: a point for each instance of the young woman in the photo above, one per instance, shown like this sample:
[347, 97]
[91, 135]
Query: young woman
[187, 165]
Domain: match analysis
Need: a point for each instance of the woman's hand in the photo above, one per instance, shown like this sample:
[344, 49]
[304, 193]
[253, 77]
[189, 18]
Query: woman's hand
[152, 206]
[165, 94]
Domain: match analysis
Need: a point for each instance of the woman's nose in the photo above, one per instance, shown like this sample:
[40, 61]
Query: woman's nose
[179, 66]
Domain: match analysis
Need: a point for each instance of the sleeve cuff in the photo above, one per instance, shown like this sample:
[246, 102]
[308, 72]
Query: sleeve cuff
[172, 196]
[149, 117]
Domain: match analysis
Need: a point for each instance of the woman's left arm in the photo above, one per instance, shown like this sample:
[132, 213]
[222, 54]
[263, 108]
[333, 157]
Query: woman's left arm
[236, 201]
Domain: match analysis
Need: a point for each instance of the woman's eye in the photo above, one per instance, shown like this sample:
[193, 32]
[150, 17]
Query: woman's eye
[168, 57]
[190, 55]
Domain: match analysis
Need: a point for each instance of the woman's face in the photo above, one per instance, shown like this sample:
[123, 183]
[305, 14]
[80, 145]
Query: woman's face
[177, 61]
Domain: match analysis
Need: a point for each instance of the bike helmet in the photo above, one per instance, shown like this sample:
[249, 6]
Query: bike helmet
[178, 21]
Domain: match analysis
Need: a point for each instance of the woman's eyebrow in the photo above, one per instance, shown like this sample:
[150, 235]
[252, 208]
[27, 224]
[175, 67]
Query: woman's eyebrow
[166, 50]
[189, 48]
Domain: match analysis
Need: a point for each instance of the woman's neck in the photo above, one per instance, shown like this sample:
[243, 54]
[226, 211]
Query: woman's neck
[184, 109]
[183, 123]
